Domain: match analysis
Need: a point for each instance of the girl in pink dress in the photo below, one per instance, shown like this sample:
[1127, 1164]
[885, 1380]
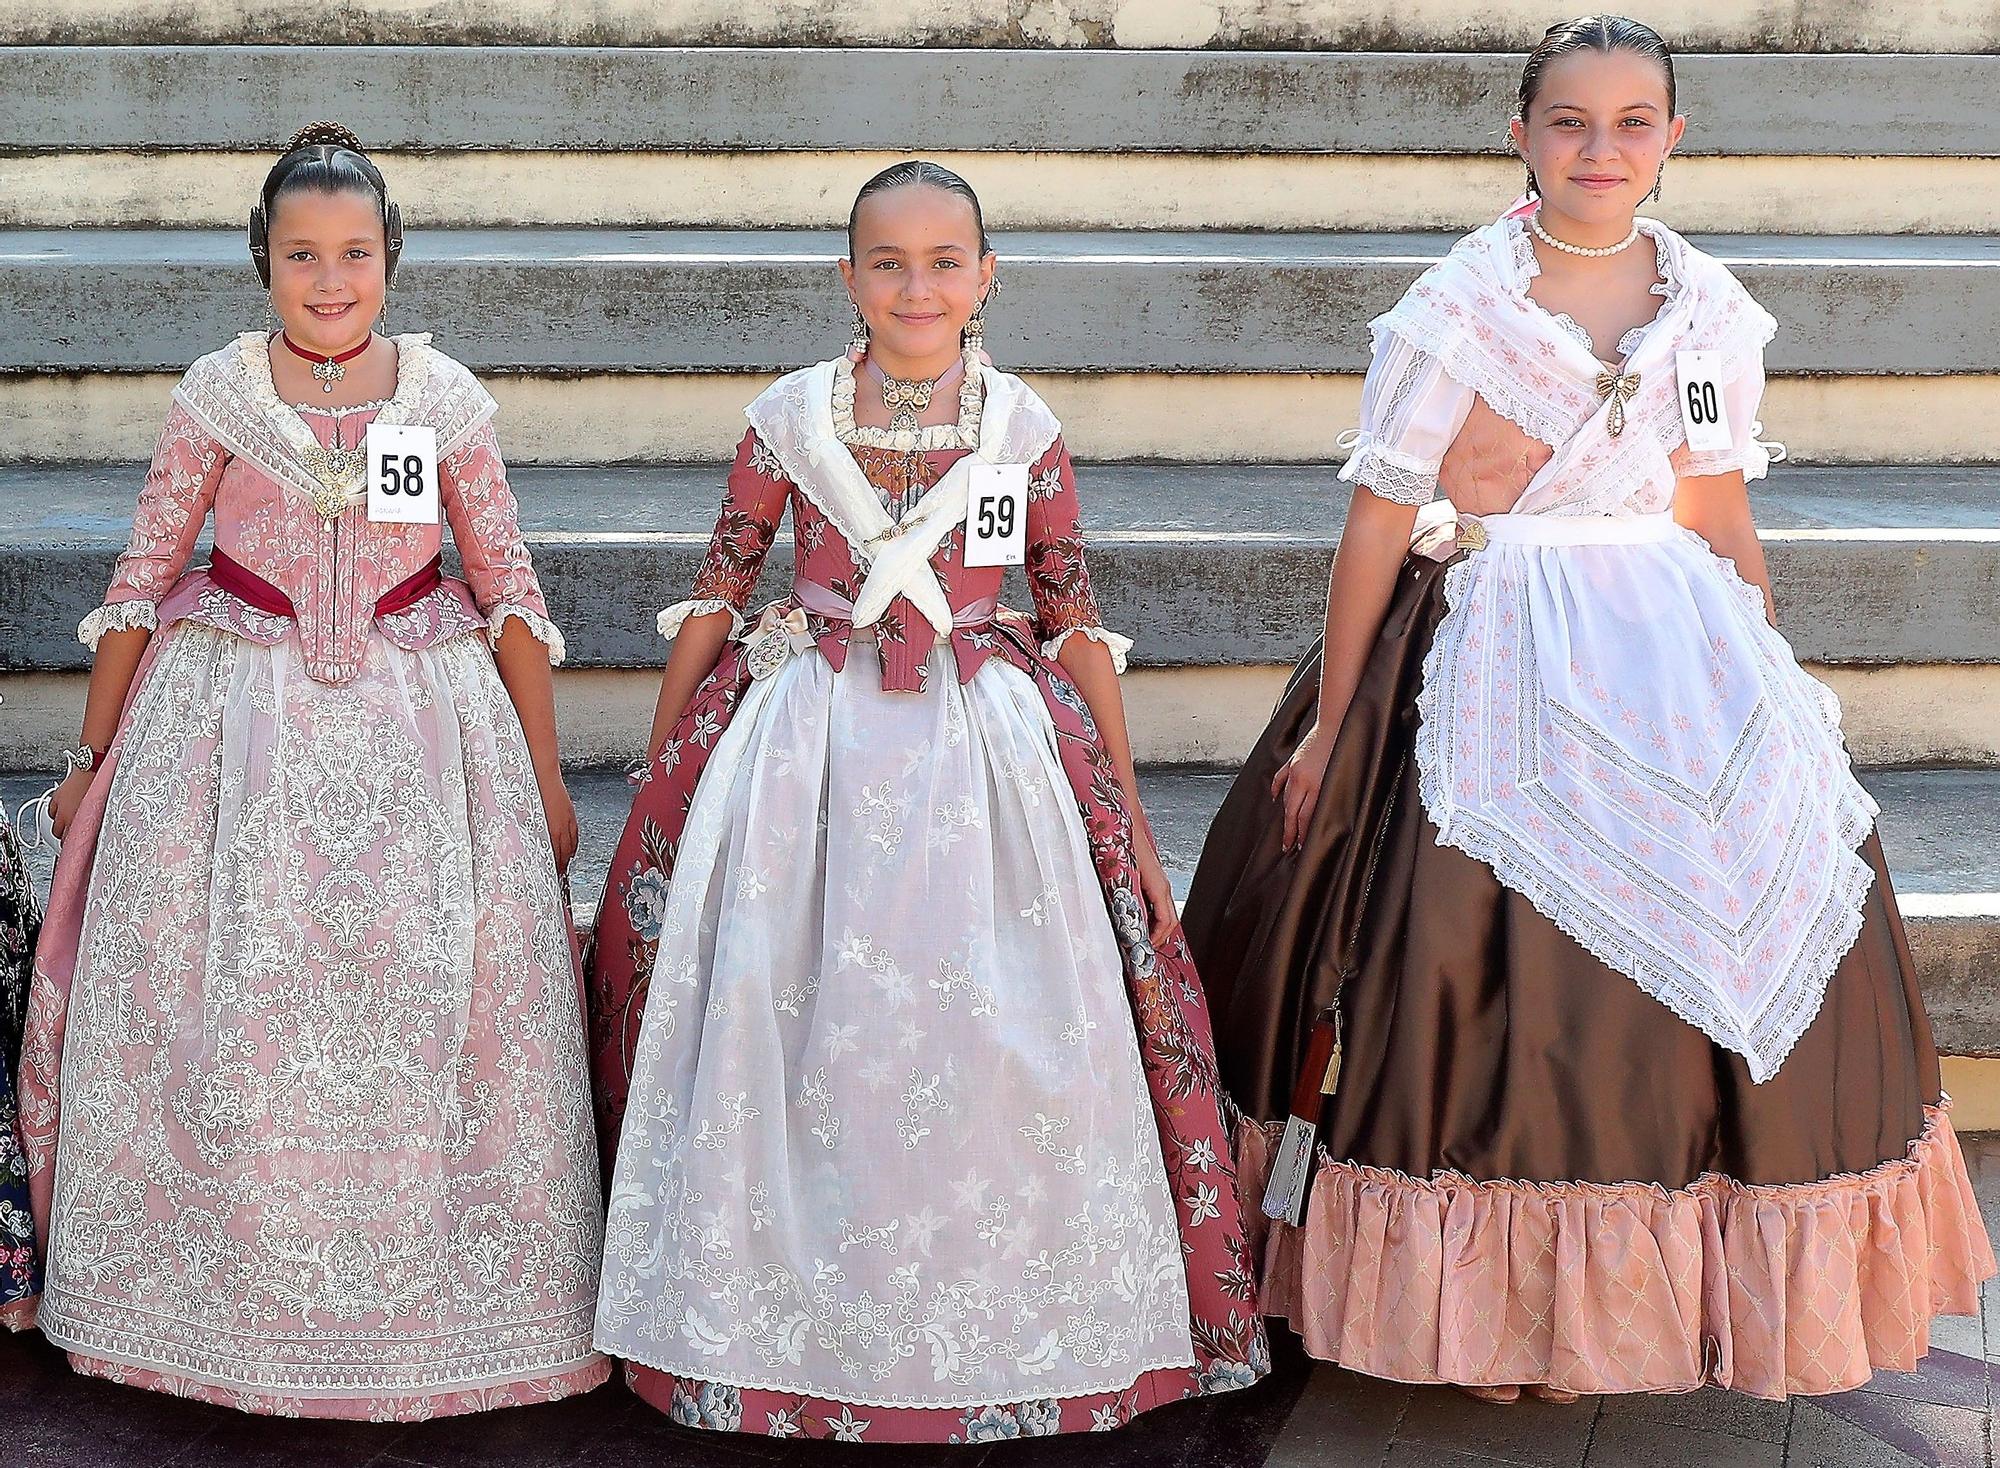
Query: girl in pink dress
[304, 1092]
[918, 1130]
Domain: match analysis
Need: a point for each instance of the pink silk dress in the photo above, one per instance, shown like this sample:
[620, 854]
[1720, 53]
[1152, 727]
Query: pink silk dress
[304, 1091]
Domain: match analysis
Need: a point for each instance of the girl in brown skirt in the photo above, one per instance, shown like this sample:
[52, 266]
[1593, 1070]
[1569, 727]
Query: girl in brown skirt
[1580, 919]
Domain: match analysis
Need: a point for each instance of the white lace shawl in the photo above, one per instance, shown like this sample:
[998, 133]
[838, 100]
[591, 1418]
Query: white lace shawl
[794, 418]
[231, 394]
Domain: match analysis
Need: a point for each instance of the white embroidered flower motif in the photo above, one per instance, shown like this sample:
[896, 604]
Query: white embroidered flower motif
[1203, 1204]
[1105, 1419]
[848, 1428]
[840, 1039]
[924, 1227]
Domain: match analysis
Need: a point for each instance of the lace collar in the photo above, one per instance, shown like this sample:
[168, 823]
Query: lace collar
[253, 358]
[1527, 265]
[964, 434]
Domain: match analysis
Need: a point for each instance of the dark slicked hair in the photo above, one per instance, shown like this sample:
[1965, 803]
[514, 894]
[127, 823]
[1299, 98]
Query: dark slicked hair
[928, 174]
[1605, 33]
[326, 158]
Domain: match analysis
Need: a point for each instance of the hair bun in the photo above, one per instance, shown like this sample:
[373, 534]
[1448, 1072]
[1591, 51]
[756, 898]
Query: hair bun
[328, 134]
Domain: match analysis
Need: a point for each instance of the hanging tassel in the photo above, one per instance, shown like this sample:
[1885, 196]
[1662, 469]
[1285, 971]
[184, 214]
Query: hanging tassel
[1291, 1170]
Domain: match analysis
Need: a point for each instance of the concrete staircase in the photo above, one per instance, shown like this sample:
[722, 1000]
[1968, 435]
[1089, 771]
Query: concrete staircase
[628, 229]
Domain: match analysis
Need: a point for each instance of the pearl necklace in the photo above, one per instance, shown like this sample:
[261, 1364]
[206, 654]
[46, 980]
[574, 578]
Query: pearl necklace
[1535, 224]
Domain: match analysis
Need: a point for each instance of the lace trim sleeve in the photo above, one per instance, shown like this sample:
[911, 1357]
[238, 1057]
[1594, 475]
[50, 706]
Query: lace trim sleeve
[117, 616]
[543, 630]
[673, 617]
[1119, 644]
[1411, 410]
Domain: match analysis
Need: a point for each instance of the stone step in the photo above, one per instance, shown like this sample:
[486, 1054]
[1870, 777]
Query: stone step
[1096, 302]
[1252, 418]
[742, 99]
[1888, 583]
[780, 190]
[1936, 825]
[1207, 565]
[1444, 25]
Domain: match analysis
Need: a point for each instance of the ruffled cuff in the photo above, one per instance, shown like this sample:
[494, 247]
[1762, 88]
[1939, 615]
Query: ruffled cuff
[540, 627]
[1754, 458]
[1119, 644]
[1388, 475]
[670, 620]
[117, 616]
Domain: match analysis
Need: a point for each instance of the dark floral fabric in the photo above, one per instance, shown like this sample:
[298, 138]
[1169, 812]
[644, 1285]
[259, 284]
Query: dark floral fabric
[20, 925]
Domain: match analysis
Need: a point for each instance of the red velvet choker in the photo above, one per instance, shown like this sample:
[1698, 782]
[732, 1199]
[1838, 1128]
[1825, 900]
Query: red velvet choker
[326, 370]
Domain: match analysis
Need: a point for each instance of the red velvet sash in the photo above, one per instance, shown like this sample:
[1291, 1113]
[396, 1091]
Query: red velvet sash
[254, 591]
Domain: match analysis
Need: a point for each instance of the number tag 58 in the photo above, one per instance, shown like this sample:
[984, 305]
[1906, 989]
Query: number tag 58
[402, 474]
[996, 515]
[1704, 417]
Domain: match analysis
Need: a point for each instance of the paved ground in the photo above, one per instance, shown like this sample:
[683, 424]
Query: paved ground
[1306, 1416]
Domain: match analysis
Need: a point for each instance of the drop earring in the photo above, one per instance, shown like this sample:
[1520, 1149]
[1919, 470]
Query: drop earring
[973, 338]
[1658, 179]
[857, 337]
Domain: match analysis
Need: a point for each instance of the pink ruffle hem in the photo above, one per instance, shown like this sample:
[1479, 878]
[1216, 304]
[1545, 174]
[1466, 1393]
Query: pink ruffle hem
[1626, 1287]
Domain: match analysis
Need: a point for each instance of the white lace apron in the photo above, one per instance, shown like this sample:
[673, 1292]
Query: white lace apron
[1607, 720]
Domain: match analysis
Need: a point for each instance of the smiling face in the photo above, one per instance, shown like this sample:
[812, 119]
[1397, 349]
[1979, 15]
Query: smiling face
[328, 267]
[917, 275]
[1596, 135]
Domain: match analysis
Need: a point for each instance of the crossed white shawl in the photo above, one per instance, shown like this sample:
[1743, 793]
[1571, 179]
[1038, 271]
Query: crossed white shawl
[794, 418]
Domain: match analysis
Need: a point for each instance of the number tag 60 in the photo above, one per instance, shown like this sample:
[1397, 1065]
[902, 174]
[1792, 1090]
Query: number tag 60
[402, 474]
[1704, 416]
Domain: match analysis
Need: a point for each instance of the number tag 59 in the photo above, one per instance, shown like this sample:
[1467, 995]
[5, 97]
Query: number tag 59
[1704, 417]
[402, 474]
[996, 515]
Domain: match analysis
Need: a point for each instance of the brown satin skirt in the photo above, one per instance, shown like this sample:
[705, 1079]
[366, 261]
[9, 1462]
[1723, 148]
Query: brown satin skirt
[1481, 1039]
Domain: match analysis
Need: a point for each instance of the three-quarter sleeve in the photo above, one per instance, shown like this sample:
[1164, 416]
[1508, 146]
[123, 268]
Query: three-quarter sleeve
[1058, 577]
[178, 495]
[753, 504]
[1742, 397]
[485, 521]
[1411, 410]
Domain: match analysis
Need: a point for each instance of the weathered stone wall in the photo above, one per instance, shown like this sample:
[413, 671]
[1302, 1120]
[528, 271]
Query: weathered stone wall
[1381, 25]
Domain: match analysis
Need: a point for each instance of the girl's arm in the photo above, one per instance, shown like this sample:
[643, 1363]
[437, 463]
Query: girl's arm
[1717, 508]
[178, 494]
[1411, 412]
[1365, 565]
[486, 525]
[752, 506]
[1073, 634]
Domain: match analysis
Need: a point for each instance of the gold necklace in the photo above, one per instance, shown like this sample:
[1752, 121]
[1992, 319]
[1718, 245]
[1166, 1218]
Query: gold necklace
[907, 398]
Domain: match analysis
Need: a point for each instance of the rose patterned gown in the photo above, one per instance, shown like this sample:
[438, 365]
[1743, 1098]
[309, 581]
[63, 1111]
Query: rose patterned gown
[918, 1133]
[304, 1092]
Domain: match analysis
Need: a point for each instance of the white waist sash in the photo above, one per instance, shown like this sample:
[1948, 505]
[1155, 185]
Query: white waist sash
[1578, 529]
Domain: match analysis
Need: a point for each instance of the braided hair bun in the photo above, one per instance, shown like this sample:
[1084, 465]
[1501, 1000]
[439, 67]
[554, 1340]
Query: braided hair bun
[328, 134]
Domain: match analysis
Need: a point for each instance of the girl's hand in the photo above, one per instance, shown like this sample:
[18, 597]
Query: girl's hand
[1154, 886]
[561, 813]
[1296, 785]
[68, 796]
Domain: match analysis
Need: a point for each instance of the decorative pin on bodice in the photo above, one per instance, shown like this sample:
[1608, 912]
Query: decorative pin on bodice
[1617, 388]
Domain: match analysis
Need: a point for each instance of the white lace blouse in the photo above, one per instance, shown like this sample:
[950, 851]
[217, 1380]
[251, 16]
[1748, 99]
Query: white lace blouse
[1412, 408]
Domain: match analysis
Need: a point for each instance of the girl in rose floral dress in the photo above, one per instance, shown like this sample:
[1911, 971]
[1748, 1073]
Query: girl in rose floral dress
[304, 1091]
[911, 1083]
